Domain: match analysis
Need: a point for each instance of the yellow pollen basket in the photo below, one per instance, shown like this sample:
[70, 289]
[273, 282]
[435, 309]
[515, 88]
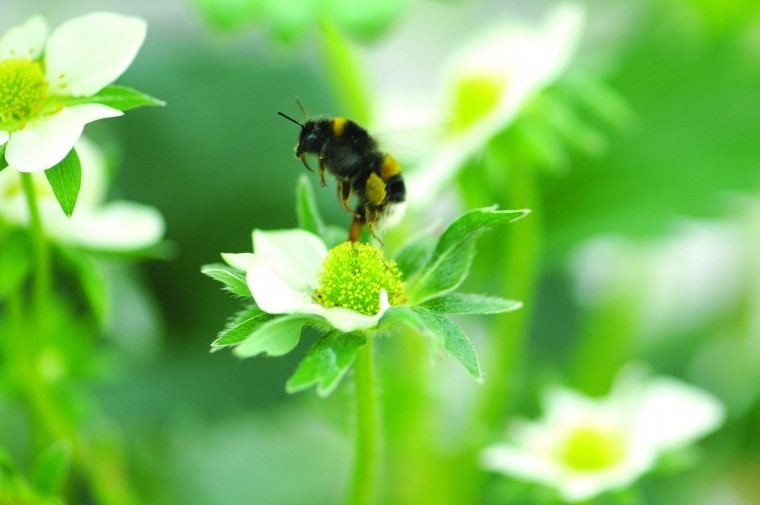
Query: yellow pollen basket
[23, 89]
[352, 276]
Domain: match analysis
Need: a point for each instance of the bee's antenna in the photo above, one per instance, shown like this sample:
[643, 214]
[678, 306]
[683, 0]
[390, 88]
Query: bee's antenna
[303, 109]
[290, 119]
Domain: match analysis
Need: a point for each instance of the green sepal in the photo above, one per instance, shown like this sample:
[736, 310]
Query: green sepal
[15, 260]
[413, 255]
[240, 327]
[234, 281]
[458, 303]
[326, 363]
[450, 261]
[51, 469]
[66, 178]
[117, 97]
[3, 162]
[453, 338]
[276, 337]
[307, 211]
[402, 316]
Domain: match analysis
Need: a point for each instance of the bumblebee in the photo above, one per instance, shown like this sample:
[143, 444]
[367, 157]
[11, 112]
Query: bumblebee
[345, 150]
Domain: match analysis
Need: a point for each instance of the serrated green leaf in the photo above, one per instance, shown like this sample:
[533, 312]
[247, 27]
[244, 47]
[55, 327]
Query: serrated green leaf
[450, 262]
[233, 281]
[51, 468]
[402, 316]
[3, 162]
[117, 97]
[457, 303]
[15, 260]
[307, 211]
[454, 339]
[276, 337]
[326, 363]
[414, 254]
[241, 326]
[66, 178]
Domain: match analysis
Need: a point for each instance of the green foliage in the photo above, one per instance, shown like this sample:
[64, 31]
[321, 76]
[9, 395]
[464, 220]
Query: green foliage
[459, 303]
[327, 362]
[452, 338]
[240, 327]
[15, 260]
[413, 254]
[118, 97]
[450, 261]
[3, 162]
[66, 178]
[307, 211]
[233, 281]
[51, 469]
[277, 336]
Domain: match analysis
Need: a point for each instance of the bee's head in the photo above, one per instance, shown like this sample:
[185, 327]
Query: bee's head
[312, 137]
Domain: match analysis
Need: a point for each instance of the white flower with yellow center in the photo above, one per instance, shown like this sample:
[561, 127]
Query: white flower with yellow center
[488, 82]
[44, 81]
[292, 272]
[112, 226]
[586, 446]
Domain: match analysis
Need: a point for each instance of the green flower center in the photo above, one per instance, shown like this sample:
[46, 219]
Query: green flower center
[591, 448]
[352, 276]
[474, 97]
[23, 90]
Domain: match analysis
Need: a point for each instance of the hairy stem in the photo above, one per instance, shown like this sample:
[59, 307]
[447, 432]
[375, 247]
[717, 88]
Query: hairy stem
[365, 469]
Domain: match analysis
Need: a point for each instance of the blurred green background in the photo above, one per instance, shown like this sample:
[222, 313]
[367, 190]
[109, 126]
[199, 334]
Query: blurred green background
[217, 161]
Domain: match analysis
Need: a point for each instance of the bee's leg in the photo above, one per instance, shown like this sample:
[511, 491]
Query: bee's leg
[370, 217]
[322, 167]
[305, 163]
[344, 195]
[355, 231]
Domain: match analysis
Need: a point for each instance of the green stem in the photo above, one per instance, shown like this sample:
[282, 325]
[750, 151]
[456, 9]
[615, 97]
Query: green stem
[522, 248]
[347, 73]
[365, 470]
[42, 253]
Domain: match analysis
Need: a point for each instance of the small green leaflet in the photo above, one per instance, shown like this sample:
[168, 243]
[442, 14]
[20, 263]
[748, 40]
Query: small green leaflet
[275, 337]
[309, 218]
[118, 97]
[66, 178]
[326, 363]
[233, 281]
[413, 255]
[454, 339]
[240, 327]
[458, 303]
[450, 262]
[3, 162]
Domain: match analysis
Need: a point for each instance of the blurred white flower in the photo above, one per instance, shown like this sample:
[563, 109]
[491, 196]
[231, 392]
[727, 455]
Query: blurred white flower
[288, 270]
[112, 226]
[487, 83]
[38, 74]
[586, 446]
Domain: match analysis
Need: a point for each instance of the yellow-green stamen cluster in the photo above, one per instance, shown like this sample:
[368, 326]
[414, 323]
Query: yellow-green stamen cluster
[23, 90]
[591, 448]
[352, 276]
[474, 97]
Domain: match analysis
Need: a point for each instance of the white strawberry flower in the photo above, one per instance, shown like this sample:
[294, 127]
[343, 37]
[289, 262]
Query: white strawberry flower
[584, 446]
[45, 80]
[95, 224]
[293, 272]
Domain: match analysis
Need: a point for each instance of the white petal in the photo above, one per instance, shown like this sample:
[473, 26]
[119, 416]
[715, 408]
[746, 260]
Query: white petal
[673, 414]
[525, 465]
[89, 52]
[117, 226]
[25, 40]
[271, 293]
[4, 136]
[240, 261]
[294, 255]
[46, 141]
